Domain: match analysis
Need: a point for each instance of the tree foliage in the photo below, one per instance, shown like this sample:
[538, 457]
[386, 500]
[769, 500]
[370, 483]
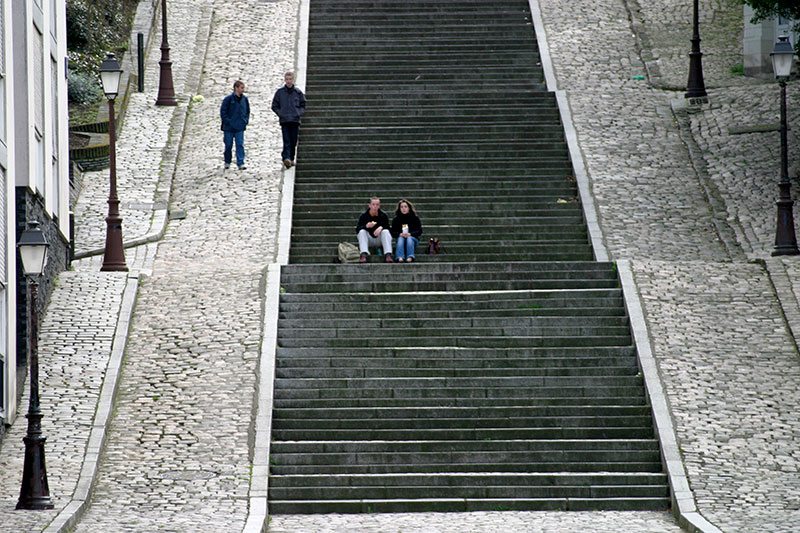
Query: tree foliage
[95, 27]
[766, 9]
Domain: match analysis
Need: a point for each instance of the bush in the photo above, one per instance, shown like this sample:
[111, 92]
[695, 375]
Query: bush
[83, 89]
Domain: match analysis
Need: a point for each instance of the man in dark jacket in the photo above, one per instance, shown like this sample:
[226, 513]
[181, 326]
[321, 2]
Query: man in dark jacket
[289, 103]
[235, 114]
[373, 230]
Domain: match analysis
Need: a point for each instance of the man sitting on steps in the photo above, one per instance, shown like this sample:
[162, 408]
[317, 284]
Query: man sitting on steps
[373, 230]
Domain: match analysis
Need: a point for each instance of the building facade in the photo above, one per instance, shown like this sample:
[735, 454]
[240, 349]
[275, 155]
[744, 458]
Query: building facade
[759, 41]
[34, 177]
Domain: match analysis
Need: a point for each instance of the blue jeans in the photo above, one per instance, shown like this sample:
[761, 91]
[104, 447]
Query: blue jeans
[405, 247]
[230, 136]
[290, 131]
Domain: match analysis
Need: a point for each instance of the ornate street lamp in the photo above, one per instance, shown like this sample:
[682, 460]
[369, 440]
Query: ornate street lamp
[114, 256]
[696, 87]
[166, 91]
[785, 239]
[35, 492]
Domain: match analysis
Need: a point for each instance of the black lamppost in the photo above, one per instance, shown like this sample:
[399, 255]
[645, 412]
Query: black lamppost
[785, 239]
[35, 492]
[166, 91]
[114, 256]
[696, 87]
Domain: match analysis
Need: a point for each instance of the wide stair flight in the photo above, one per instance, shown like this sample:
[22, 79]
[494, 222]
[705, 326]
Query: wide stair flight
[500, 375]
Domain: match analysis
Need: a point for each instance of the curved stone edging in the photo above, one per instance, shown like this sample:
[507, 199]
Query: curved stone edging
[169, 161]
[72, 512]
[575, 152]
[684, 505]
[258, 510]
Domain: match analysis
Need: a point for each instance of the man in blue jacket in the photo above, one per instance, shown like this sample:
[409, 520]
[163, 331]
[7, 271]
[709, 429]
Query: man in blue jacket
[289, 104]
[235, 114]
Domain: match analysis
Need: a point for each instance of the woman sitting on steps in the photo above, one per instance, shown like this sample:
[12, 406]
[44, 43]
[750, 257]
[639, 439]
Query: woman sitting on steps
[407, 229]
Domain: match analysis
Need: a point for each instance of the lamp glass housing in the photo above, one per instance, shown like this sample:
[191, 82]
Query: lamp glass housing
[110, 75]
[33, 250]
[782, 57]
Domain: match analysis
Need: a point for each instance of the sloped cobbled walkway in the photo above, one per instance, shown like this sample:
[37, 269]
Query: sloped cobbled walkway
[690, 198]
[177, 456]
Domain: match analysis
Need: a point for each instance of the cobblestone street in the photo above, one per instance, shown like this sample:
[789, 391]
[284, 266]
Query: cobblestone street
[683, 193]
[686, 194]
[177, 457]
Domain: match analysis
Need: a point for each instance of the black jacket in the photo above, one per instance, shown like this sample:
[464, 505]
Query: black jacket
[413, 221]
[289, 104]
[381, 220]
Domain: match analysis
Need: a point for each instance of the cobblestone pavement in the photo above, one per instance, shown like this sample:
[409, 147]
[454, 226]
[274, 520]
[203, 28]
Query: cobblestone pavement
[649, 203]
[731, 372]
[744, 165]
[688, 194]
[177, 455]
[141, 141]
[664, 30]
[74, 347]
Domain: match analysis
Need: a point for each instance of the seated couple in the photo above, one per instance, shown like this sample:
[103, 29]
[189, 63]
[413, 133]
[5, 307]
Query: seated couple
[374, 230]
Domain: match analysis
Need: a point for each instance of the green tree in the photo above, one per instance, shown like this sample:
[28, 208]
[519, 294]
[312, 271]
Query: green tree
[765, 9]
[95, 27]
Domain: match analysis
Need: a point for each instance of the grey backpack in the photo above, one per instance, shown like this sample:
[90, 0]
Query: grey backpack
[348, 252]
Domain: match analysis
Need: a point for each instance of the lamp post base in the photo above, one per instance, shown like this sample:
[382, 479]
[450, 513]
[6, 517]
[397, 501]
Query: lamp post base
[785, 237]
[166, 90]
[114, 256]
[788, 250]
[35, 492]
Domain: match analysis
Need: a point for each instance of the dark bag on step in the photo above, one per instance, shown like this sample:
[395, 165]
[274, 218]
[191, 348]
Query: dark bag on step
[434, 247]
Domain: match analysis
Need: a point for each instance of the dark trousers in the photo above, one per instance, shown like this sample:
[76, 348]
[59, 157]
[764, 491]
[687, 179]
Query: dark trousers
[290, 131]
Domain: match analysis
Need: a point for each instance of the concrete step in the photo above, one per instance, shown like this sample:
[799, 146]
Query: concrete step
[435, 167]
[531, 83]
[466, 491]
[444, 116]
[576, 416]
[541, 147]
[402, 286]
[454, 353]
[383, 372]
[523, 271]
[483, 480]
[438, 323]
[571, 269]
[427, 361]
[526, 465]
[547, 174]
[394, 308]
[304, 256]
[339, 450]
[443, 383]
[312, 235]
[465, 457]
[456, 505]
[457, 434]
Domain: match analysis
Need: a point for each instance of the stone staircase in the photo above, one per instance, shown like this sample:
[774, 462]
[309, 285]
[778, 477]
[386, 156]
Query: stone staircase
[442, 102]
[500, 375]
